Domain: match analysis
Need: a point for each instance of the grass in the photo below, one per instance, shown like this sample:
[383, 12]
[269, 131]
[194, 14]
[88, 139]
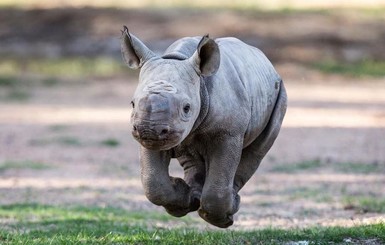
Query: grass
[13, 91]
[58, 127]
[71, 140]
[365, 68]
[110, 142]
[42, 224]
[6, 81]
[7, 165]
[296, 167]
[61, 140]
[316, 194]
[67, 67]
[16, 94]
[365, 204]
[358, 168]
[340, 167]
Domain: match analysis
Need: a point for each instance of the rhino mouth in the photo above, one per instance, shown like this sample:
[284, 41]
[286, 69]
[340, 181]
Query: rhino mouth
[153, 140]
[158, 144]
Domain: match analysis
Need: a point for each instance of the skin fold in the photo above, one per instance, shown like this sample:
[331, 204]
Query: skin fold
[215, 105]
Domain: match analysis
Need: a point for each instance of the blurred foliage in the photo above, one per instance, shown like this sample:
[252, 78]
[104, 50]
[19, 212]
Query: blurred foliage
[61, 140]
[359, 168]
[365, 204]
[8, 80]
[7, 165]
[364, 68]
[75, 67]
[246, 4]
[339, 167]
[301, 166]
[17, 94]
[110, 142]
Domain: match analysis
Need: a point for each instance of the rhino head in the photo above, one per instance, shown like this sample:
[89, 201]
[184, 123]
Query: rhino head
[167, 101]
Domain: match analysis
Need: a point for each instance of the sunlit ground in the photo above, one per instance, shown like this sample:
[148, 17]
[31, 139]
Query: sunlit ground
[335, 126]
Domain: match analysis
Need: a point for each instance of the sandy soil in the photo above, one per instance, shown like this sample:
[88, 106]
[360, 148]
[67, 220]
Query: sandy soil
[63, 127]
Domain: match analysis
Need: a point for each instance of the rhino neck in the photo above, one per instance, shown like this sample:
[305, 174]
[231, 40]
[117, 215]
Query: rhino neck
[205, 102]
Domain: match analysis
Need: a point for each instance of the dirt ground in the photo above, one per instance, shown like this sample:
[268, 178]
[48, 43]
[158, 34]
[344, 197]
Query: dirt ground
[56, 146]
[63, 127]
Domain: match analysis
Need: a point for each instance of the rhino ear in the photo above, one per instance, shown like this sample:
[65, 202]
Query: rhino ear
[207, 56]
[134, 52]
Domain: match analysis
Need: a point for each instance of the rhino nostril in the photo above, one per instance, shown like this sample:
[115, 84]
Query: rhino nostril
[134, 128]
[164, 131]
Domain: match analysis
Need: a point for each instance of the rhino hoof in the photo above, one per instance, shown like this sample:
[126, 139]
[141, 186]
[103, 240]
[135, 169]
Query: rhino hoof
[177, 211]
[195, 201]
[221, 222]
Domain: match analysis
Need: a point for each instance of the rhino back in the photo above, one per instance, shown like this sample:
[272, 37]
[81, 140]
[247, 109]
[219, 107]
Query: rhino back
[244, 90]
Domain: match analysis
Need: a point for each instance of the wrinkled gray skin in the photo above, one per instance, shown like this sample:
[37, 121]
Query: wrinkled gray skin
[215, 105]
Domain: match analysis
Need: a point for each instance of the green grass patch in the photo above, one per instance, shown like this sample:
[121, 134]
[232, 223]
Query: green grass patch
[110, 142]
[8, 81]
[58, 127]
[316, 194]
[359, 168]
[50, 81]
[378, 12]
[40, 224]
[30, 212]
[12, 90]
[16, 82]
[365, 204]
[72, 67]
[69, 141]
[61, 140]
[364, 68]
[18, 95]
[297, 167]
[341, 167]
[76, 67]
[7, 165]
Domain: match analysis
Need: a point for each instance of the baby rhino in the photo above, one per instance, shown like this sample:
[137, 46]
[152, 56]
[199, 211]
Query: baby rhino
[215, 105]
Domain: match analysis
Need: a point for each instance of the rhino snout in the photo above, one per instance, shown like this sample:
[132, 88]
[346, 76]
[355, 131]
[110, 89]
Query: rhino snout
[154, 132]
[155, 136]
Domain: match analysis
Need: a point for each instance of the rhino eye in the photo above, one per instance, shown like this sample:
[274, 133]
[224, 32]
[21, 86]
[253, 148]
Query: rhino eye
[186, 108]
[132, 104]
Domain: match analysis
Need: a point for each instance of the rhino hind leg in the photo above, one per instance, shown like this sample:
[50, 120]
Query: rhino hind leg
[253, 154]
[219, 201]
[220, 217]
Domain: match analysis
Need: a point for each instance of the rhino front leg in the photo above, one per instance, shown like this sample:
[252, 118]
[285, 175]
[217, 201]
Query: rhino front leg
[219, 201]
[161, 189]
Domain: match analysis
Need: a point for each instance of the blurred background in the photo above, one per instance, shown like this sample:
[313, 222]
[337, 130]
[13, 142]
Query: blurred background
[65, 104]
